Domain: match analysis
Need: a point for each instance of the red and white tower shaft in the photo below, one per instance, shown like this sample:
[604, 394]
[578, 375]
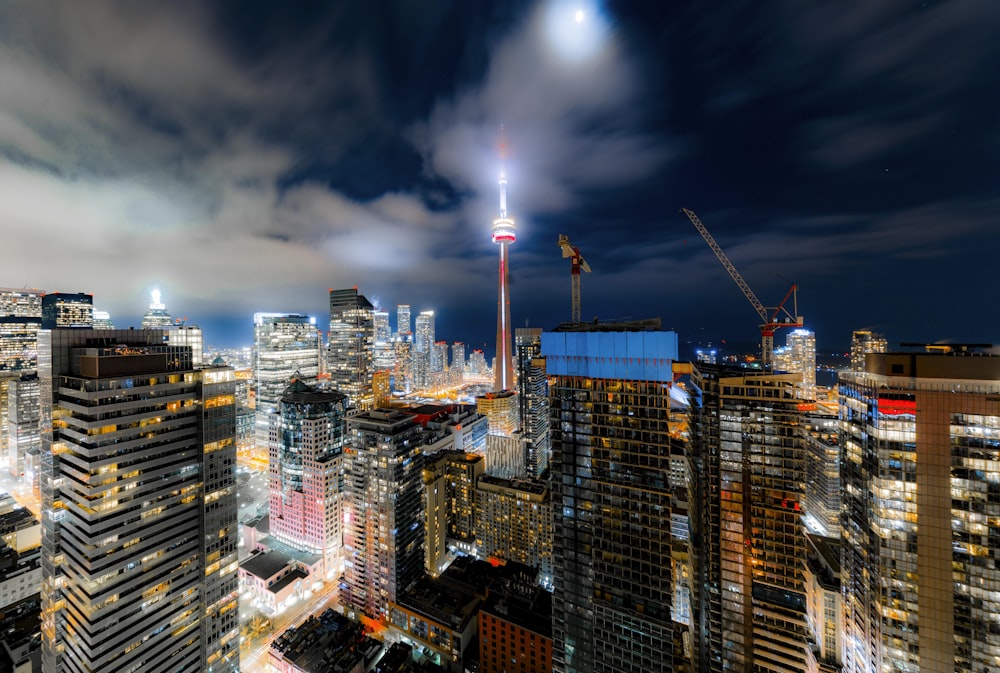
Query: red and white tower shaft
[504, 233]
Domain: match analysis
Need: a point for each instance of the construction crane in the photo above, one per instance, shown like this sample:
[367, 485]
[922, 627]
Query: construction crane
[579, 264]
[780, 317]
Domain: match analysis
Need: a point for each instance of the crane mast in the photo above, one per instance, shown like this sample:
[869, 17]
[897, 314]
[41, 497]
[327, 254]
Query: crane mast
[578, 264]
[780, 317]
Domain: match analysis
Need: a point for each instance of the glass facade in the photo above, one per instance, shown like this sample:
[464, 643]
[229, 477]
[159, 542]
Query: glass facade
[609, 398]
[351, 348]
[921, 473]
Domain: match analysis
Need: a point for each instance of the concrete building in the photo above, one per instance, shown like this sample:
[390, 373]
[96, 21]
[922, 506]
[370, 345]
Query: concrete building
[609, 398]
[863, 342]
[825, 602]
[306, 459]
[533, 399]
[384, 527]
[67, 310]
[921, 474]
[515, 632]
[822, 496]
[450, 493]
[325, 643]
[799, 356]
[139, 568]
[514, 522]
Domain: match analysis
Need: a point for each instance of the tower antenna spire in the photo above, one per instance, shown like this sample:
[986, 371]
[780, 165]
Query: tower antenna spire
[503, 173]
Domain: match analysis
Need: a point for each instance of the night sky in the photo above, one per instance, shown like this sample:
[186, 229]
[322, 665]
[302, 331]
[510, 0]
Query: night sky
[247, 156]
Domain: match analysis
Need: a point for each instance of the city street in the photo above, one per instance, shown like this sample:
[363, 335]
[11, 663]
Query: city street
[20, 490]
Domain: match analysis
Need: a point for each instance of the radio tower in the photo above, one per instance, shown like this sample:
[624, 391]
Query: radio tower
[504, 233]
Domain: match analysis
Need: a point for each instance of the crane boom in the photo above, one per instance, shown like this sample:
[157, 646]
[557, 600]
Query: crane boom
[781, 317]
[758, 306]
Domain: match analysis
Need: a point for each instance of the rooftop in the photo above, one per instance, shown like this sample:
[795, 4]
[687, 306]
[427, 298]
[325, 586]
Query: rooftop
[532, 613]
[326, 643]
[265, 564]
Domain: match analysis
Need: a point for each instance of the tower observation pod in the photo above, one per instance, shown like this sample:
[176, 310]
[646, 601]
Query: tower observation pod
[504, 233]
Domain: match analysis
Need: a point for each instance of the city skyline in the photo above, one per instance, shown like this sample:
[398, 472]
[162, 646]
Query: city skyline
[246, 158]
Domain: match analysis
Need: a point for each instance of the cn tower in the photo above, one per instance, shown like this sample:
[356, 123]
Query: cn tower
[504, 233]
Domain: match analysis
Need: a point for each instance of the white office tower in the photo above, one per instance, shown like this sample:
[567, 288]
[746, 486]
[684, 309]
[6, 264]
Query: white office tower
[139, 534]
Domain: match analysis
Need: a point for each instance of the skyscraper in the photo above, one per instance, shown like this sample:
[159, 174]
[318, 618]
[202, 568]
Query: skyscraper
[383, 356]
[285, 345]
[384, 528]
[423, 338]
[609, 399]
[749, 547]
[865, 341]
[403, 325]
[504, 233]
[156, 315]
[307, 471]
[20, 320]
[138, 504]
[921, 501]
[352, 345]
[799, 356]
[61, 309]
[533, 399]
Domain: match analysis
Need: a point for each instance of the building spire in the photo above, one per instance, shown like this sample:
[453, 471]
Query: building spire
[504, 233]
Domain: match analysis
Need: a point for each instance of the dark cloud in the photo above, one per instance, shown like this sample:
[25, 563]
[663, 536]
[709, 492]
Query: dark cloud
[247, 156]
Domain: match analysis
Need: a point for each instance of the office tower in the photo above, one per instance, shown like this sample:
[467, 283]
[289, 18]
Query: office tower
[23, 433]
[504, 233]
[306, 471]
[190, 336]
[533, 399]
[61, 309]
[609, 397]
[384, 528]
[383, 357]
[138, 503]
[477, 363]
[102, 320]
[285, 345]
[403, 325]
[921, 473]
[799, 356]
[20, 557]
[822, 499]
[747, 540]
[382, 389]
[424, 336]
[450, 491]
[352, 346]
[156, 315]
[514, 522]
[865, 341]
[20, 320]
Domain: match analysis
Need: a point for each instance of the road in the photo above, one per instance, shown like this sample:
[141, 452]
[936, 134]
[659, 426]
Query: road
[20, 490]
[253, 653]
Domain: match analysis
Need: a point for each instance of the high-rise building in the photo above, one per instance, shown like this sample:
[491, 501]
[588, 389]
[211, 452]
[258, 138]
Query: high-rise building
[799, 356]
[822, 498]
[403, 324]
[747, 539]
[285, 345]
[439, 357]
[307, 471]
[825, 601]
[102, 320]
[383, 357]
[921, 497]
[514, 522]
[156, 315]
[504, 233]
[402, 347]
[20, 320]
[23, 432]
[60, 309]
[533, 399]
[865, 341]
[352, 346]
[424, 336]
[384, 527]
[139, 506]
[609, 398]
[456, 373]
[450, 493]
